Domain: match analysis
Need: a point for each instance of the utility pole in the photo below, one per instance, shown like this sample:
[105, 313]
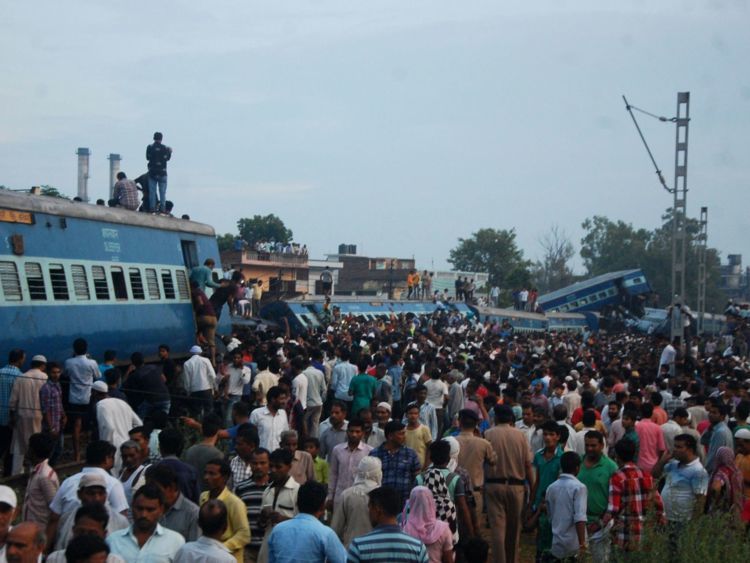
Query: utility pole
[679, 205]
[702, 247]
[679, 210]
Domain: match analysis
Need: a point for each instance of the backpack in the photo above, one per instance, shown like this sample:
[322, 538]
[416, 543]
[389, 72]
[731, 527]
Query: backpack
[444, 507]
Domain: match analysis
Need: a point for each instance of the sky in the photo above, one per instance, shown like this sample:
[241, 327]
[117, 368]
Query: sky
[395, 126]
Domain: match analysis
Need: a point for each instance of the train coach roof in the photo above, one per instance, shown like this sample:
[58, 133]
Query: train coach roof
[65, 208]
[585, 284]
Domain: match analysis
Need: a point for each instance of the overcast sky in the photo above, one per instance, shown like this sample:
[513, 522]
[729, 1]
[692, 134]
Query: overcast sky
[396, 126]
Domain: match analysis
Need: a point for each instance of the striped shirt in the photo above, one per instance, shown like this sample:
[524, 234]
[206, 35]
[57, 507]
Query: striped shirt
[251, 493]
[387, 544]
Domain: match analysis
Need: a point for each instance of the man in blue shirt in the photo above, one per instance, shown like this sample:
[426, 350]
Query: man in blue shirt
[202, 275]
[304, 538]
[8, 376]
[400, 463]
[386, 542]
[343, 373]
[718, 435]
[566, 506]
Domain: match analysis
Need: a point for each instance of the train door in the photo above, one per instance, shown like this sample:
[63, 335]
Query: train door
[189, 254]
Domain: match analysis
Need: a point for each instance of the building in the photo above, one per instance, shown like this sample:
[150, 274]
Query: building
[316, 267]
[365, 275]
[284, 275]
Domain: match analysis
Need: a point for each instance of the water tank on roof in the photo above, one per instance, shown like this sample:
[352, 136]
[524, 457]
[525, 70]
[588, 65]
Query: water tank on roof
[343, 248]
[352, 249]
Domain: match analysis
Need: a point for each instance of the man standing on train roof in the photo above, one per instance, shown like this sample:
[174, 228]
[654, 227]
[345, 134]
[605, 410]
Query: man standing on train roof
[202, 275]
[157, 155]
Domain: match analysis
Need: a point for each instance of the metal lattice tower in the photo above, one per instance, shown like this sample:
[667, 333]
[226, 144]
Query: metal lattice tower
[702, 247]
[679, 208]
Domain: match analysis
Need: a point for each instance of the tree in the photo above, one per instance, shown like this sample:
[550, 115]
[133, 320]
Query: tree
[553, 270]
[225, 241]
[47, 190]
[260, 228]
[609, 246]
[495, 252]
[51, 191]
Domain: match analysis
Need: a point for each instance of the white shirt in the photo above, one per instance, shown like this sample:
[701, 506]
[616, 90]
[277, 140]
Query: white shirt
[204, 550]
[66, 498]
[198, 374]
[237, 378]
[316, 386]
[115, 419]
[437, 390]
[667, 355]
[269, 426]
[299, 389]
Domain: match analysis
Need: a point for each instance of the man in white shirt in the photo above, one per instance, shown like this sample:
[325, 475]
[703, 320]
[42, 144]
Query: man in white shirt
[437, 396]
[100, 457]
[316, 394]
[667, 357]
[213, 521]
[299, 382]
[271, 420]
[238, 375]
[199, 379]
[114, 418]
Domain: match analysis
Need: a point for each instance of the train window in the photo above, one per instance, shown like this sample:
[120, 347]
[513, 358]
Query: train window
[602, 295]
[9, 280]
[80, 283]
[35, 281]
[101, 289]
[611, 291]
[168, 283]
[583, 301]
[182, 285]
[136, 283]
[118, 282]
[59, 283]
[637, 280]
[152, 283]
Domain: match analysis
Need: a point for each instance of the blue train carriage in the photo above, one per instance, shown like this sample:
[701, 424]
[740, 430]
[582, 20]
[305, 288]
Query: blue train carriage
[624, 288]
[521, 321]
[307, 313]
[115, 277]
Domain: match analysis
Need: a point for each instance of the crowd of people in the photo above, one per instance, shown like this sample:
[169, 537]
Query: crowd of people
[404, 439]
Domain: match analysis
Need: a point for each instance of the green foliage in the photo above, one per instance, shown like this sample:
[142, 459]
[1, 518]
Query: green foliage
[705, 539]
[225, 241]
[609, 246]
[51, 191]
[264, 228]
[495, 252]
